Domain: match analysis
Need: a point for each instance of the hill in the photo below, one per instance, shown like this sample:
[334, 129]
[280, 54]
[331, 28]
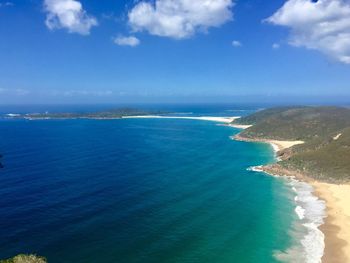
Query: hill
[325, 155]
[296, 123]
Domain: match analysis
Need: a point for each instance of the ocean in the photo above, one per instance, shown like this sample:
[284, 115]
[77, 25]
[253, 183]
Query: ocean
[149, 190]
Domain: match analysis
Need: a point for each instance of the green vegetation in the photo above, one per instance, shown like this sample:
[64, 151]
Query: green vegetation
[298, 123]
[109, 114]
[260, 115]
[25, 259]
[325, 155]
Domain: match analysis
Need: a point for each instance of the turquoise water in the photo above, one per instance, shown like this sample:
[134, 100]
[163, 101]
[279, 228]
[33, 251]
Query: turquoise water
[139, 190]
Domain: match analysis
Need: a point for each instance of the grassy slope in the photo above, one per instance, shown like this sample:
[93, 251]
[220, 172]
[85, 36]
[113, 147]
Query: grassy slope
[329, 161]
[321, 156]
[261, 115]
[304, 123]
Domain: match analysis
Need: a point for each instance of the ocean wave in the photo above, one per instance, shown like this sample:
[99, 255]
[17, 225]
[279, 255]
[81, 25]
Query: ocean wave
[311, 212]
[300, 212]
[255, 168]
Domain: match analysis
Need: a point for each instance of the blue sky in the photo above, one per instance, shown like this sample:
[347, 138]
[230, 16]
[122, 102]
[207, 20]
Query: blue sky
[70, 51]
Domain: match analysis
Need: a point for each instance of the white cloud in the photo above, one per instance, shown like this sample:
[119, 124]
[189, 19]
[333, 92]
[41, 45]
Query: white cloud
[276, 46]
[14, 92]
[322, 25]
[236, 43]
[6, 4]
[126, 41]
[68, 14]
[179, 18]
[71, 93]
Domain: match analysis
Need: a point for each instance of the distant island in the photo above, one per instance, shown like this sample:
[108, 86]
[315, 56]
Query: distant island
[313, 146]
[117, 113]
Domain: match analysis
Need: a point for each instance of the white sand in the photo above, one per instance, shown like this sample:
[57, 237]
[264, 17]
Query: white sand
[337, 227]
[203, 118]
[281, 145]
[239, 126]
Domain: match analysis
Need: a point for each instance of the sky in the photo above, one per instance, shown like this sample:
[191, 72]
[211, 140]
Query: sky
[111, 51]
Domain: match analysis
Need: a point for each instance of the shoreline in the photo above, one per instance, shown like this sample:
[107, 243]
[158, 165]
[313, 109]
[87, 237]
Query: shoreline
[336, 223]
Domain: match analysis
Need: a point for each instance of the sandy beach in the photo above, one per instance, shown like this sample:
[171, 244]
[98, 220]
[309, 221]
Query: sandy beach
[336, 227]
[337, 223]
[239, 126]
[276, 144]
[281, 145]
[226, 120]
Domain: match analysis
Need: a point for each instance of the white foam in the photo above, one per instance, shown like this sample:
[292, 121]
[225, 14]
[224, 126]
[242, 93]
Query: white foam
[13, 115]
[300, 212]
[275, 147]
[311, 212]
[255, 168]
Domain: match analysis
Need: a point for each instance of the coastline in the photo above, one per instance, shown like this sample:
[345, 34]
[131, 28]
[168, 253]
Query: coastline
[335, 225]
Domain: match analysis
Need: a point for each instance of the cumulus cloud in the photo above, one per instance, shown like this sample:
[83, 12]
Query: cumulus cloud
[236, 43]
[322, 25]
[179, 18]
[126, 41]
[68, 14]
[276, 46]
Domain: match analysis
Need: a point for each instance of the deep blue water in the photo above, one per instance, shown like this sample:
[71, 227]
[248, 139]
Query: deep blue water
[139, 190]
